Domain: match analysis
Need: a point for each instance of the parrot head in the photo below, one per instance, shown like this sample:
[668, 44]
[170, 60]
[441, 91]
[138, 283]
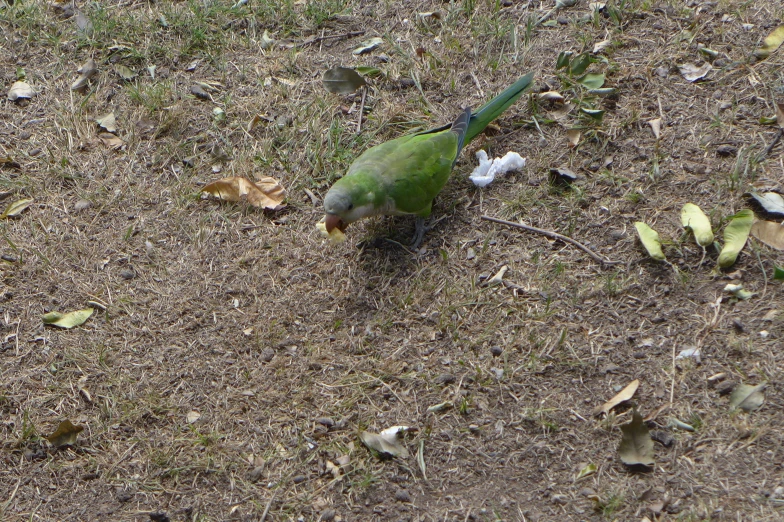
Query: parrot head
[345, 203]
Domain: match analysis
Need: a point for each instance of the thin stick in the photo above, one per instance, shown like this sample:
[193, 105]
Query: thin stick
[269, 504]
[331, 37]
[554, 235]
[769, 148]
[361, 110]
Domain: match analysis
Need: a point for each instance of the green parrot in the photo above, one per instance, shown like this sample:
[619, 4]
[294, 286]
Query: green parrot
[404, 175]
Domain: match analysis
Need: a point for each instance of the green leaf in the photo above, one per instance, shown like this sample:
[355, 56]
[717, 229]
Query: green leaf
[772, 42]
[778, 273]
[69, 320]
[594, 114]
[636, 448]
[650, 240]
[342, 80]
[16, 208]
[365, 70]
[592, 80]
[563, 59]
[747, 398]
[693, 218]
[580, 64]
[735, 235]
[124, 72]
[606, 91]
[21, 75]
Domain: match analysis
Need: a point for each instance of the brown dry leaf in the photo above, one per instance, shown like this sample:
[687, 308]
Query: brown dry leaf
[600, 46]
[265, 193]
[551, 96]
[622, 396]
[111, 141]
[780, 114]
[387, 443]
[656, 127]
[65, 434]
[573, 135]
[770, 233]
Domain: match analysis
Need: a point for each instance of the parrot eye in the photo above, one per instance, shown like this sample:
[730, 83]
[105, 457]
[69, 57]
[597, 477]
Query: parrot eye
[350, 206]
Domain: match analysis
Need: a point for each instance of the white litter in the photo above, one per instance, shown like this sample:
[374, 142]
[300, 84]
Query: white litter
[487, 170]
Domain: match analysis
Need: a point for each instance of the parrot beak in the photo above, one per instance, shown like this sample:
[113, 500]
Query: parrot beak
[333, 221]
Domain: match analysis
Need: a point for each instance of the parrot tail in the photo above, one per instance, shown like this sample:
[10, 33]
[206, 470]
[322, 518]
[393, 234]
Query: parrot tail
[460, 127]
[493, 109]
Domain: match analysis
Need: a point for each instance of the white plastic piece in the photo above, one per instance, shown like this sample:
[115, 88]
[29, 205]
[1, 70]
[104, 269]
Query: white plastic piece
[487, 170]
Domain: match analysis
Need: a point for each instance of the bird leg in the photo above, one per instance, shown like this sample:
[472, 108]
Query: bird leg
[421, 229]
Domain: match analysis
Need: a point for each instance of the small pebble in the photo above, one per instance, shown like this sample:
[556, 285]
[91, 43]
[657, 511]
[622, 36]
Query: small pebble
[255, 473]
[82, 204]
[401, 495]
[445, 378]
[127, 273]
[496, 351]
[267, 354]
[327, 515]
[727, 150]
[325, 421]
[299, 479]
[470, 254]
[663, 438]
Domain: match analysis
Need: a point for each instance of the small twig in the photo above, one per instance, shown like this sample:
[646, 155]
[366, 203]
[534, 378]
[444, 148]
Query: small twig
[361, 109]
[269, 505]
[672, 385]
[554, 235]
[319, 39]
[769, 148]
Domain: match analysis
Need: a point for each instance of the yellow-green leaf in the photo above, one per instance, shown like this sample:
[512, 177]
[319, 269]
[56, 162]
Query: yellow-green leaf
[693, 218]
[650, 240]
[69, 320]
[65, 434]
[636, 448]
[16, 208]
[735, 235]
[772, 42]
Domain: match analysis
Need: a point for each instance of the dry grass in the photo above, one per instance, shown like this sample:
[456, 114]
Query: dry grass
[287, 348]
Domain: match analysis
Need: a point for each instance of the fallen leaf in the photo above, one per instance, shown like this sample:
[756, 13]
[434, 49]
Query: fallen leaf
[771, 43]
[778, 273]
[594, 114]
[86, 72]
[636, 448]
[585, 471]
[124, 72]
[564, 174]
[780, 114]
[739, 292]
[579, 64]
[342, 80]
[192, 417]
[367, 46]
[650, 240]
[600, 46]
[16, 208]
[498, 278]
[266, 40]
[692, 73]
[387, 443]
[551, 96]
[107, 122]
[747, 398]
[735, 235]
[265, 193]
[365, 70]
[770, 233]
[693, 218]
[20, 91]
[771, 202]
[622, 396]
[65, 434]
[68, 320]
[656, 127]
[111, 141]
[430, 15]
[573, 135]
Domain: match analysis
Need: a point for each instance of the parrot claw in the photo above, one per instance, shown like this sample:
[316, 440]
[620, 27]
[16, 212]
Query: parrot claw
[421, 229]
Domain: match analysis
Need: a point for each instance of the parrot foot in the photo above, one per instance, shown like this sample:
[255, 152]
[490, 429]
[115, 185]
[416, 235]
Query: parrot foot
[421, 229]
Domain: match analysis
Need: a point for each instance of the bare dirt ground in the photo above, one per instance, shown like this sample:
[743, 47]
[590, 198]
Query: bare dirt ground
[234, 357]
